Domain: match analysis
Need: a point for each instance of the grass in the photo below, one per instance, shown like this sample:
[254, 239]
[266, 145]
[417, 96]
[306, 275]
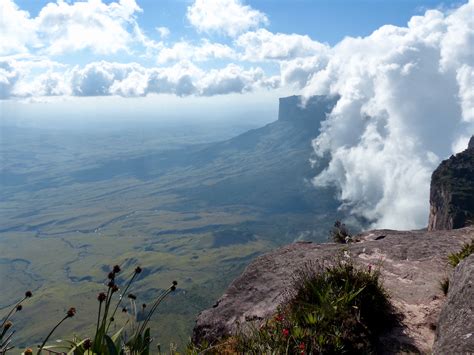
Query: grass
[338, 309]
[444, 285]
[455, 258]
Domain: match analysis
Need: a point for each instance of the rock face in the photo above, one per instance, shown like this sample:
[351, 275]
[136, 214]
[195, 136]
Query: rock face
[292, 108]
[455, 333]
[452, 192]
[413, 264]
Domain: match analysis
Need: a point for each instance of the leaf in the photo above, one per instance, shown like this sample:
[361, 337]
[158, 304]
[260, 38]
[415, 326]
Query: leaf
[111, 345]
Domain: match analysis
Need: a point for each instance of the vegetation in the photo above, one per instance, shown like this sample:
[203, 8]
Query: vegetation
[338, 309]
[133, 337]
[455, 258]
[340, 233]
[444, 285]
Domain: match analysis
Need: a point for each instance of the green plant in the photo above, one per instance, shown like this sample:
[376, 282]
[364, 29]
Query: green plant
[455, 258]
[444, 285]
[340, 233]
[337, 309]
[134, 338]
[6, 328]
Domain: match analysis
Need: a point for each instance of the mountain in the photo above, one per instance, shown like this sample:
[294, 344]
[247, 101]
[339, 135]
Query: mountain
[452, 191]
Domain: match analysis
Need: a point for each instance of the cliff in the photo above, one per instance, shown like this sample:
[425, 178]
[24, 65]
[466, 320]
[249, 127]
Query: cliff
[413, 264]
[452, 192]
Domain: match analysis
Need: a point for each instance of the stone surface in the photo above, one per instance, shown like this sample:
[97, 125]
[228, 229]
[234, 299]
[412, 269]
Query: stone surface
[413, 264]
[455, 333]
[452, 192]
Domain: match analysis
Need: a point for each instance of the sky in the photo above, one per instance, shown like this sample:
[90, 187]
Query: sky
[403, 69]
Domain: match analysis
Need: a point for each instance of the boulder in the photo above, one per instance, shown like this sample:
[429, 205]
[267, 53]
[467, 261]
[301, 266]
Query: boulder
[455, 332]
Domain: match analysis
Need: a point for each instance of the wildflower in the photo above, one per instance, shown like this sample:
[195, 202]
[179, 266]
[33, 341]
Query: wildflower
[87, 344]
[138, 270]
[28, 294]
[111, 275]
[279, 318]
[114, 288]
[71, 312]
[116, 269]
[28, 352]
[101, 297]
[302, 346]
[132, 296]
[19, 308]
[111, 284]
[285, 332]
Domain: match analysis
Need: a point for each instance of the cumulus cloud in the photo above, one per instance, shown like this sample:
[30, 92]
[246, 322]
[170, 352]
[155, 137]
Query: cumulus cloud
[405, 102]
[128, 80]
[17, 30]
[230, 17]
[186, 51]
[62, 27]
[263, 45]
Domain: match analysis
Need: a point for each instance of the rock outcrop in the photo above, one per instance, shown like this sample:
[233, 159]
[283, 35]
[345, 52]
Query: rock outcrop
[455, 332]
[413, 264]
[452, 192]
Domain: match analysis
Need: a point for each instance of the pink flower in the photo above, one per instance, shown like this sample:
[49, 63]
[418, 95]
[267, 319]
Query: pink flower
[285, 332]
[279, 318]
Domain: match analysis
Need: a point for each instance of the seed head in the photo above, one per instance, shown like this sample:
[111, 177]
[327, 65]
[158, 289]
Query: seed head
[101, 297]
[144, 305]
[7, 325]
[173, 288]
[175, 283]
[116, 269]
[132, 296]
[19, 308]
[112, 319]
[138, 270]
[71, 312]
[114, 288]
[124, 310]
[111, 284]
[28, 352]
[87, 344]
[28, 294]
[111, 275]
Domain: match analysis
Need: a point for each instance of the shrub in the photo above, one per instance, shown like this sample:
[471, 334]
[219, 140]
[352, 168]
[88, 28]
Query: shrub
[338, 309]
[455, 258]
[340, 234]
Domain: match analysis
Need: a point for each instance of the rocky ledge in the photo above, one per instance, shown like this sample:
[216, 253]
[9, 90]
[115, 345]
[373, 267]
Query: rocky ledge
[413, 263]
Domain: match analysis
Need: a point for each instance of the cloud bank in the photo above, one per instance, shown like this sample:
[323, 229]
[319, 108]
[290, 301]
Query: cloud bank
[406, 101]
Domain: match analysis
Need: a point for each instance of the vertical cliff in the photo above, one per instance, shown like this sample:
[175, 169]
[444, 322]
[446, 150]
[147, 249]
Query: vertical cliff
[452, 192]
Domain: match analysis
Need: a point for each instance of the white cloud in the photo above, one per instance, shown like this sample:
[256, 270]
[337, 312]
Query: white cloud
[230, 17]
[405, 103]
[187, 51]
[90, 25]
[163, 31]
[17, 30]
[264, 45]
[128, 80]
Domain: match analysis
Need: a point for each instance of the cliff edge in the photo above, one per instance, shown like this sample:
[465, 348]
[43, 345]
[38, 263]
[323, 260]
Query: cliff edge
[452, 192]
